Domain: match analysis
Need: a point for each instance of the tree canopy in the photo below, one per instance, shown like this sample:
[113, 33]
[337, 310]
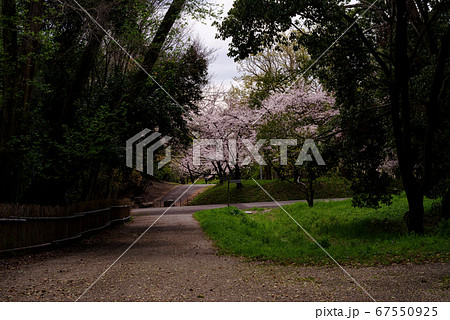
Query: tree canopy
[387, 64]
[76, 80]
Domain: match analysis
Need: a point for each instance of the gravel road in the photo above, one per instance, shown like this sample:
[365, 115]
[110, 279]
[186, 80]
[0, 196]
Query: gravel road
[174, 261]
[182, 193]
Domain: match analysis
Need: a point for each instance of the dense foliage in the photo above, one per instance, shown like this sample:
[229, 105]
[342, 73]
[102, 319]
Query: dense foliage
[387, 64]
[71, 96]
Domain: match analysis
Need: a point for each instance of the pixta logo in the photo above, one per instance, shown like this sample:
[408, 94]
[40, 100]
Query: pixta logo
[143, 141]
[252, 151]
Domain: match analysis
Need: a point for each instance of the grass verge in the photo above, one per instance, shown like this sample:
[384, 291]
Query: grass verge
[353, 236]
[326, 187]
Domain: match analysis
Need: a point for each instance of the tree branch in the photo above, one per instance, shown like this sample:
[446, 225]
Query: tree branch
[369, 46]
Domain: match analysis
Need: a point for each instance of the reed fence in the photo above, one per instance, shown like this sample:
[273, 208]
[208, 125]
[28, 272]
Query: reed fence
[28, 228]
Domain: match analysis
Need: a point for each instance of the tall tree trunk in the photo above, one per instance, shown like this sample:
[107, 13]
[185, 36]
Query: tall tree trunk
[310, 194]
[433, 109]
[160, 37]
[30, 49]
[81, 76]
[237, 175]
[191, 176]
[155, 48]
[414, 217]
[445, 209]
[9, 99]
[401, 118]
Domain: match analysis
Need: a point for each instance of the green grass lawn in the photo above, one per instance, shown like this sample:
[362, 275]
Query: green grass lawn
[327, 187]
[350, 235]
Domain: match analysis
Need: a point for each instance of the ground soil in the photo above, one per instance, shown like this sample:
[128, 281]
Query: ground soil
[174, 261]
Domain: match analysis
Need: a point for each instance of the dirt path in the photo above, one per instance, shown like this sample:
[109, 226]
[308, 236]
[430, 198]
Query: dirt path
[182, 193]
[175, 262]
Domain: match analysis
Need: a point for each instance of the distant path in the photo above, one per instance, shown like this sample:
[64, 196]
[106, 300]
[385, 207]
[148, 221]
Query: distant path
[174, 261]
[242, 206]
[176, 192]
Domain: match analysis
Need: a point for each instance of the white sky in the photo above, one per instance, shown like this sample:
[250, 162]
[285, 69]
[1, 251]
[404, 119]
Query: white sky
[223, 69]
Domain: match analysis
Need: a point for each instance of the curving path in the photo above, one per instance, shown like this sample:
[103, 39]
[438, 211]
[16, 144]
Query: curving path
[182, 193]
[174, 261]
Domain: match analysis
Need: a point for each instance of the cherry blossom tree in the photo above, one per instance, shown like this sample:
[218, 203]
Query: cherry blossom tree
[303, 112]
[222, 131]
[228, 134]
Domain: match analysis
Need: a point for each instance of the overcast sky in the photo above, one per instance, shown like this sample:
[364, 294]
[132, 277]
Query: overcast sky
[223, 69]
